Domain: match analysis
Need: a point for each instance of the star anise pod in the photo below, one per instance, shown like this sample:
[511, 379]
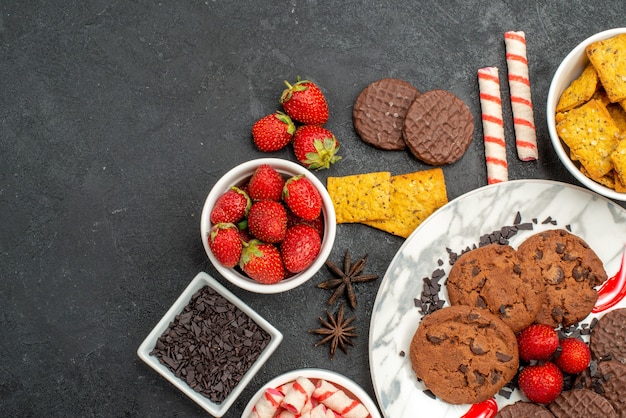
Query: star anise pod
[345, 279]
[337, 331]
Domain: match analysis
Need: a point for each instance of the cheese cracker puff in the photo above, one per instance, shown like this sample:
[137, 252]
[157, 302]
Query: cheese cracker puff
[618, 158]
[619, 186]
[559, 117]
[360, 197]
[591, 134]
[607, 180]
[579, 91]
[608, 56]
[414, 197]
[600, 94]
[619, 116]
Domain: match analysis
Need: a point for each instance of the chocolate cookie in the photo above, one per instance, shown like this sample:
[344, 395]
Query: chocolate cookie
[379, 112]
[608, 338]
[495, 278]
[570, 270]
[613, 378]
[464, 354]
[438, 127]
[609, 380]
[521, 409]
[581, 403]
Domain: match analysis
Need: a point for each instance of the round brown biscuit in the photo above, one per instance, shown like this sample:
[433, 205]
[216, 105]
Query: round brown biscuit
[614, 383]
[608, 338]
[609, 380]
[379, 111]
[521, 409]
[495, 278]
[581, 403]
[570, 270]
[438, 127]
[464, 354]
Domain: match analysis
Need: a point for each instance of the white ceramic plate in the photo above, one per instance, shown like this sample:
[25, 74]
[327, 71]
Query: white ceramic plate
[460, 224]
[348, 385]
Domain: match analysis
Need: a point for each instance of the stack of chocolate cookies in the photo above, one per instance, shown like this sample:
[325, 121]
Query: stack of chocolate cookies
[436, 126]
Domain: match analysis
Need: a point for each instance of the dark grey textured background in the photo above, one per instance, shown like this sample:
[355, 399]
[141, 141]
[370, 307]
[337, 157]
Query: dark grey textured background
[117, 117]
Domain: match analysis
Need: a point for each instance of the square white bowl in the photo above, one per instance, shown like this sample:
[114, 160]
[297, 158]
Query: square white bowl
[200, 281]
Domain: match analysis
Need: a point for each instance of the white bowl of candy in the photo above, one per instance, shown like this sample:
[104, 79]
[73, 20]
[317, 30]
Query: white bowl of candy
[311, 393]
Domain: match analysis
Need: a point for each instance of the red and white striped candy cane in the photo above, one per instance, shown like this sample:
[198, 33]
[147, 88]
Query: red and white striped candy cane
[521, 103]
[493, 125]
[268, 404]
[337, 400]
[320, 411]
[297, 397]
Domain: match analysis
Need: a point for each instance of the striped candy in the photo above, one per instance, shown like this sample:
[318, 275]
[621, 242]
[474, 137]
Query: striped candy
[521, 103]
[268, 405]
[493, 126]
[297, 397]
[336, 399]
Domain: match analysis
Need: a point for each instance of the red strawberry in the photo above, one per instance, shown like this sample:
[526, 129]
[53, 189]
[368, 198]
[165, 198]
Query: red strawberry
[244, 235]
[267, 221]
[225, 244]
[305, 102]
[262, 262]
[574, 357]
[317, 223]
[537, 342]
[273, 132]
[266, 184]
[231, 207]
[301, 245]
[302, 197]
[541, 383]
[315, 147]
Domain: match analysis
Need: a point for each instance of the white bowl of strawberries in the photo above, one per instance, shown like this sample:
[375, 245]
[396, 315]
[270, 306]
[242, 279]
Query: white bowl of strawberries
[268, 225]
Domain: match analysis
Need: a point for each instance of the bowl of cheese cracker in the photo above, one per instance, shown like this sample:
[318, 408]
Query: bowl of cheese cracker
[586, 113]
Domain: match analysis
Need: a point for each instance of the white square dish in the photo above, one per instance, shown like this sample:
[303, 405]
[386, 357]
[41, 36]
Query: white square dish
[199, 282]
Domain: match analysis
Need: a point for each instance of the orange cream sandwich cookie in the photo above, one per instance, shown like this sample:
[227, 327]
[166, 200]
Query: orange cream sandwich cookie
[493, 126]
[521, 103]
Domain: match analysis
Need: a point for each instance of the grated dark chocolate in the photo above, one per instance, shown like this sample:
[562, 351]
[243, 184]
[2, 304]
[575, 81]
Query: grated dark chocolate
[211, 344]
[428, 393]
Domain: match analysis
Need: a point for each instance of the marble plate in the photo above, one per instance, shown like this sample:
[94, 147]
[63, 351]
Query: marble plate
[460, 224]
